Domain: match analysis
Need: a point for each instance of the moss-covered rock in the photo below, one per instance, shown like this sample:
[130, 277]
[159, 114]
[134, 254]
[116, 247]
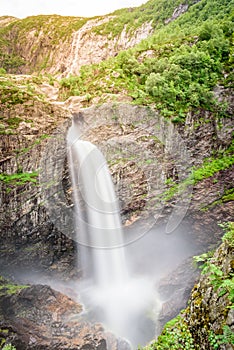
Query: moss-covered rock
[208, 321]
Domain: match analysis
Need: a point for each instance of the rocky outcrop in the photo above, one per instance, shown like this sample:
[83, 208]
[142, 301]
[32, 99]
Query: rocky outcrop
[175, 290]
[177, 12]
[88, 47]
[5, 20]
[39, 317]
[207, 321]
[142, 148]
[62, 45]
[44, 47]
[210, 315]
[29, 238]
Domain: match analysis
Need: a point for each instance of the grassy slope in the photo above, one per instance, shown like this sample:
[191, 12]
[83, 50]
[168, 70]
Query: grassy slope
[188, 57]
[49, 31]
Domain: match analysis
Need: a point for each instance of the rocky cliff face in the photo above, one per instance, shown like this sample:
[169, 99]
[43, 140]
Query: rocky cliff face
[53, 45]
[88, 47]
[27, 126]
[140, 147]
[141, 150]
[207, 322]
[38, 317]
[210, 314]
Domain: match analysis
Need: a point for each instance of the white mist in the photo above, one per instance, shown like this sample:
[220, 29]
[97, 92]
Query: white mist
[115, 298]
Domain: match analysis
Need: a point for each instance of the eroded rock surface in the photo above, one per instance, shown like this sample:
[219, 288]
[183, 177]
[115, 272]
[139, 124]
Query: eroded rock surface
[29, 237]
[39, 317]
[210, 307]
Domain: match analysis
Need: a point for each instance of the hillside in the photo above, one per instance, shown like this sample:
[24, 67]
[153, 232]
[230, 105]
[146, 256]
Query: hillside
[152, 87]
[47, 43]
[176, 69]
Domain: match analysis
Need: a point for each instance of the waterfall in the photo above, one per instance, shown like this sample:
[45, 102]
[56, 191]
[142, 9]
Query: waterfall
[73, 63]
[75, 50]
[121, 299]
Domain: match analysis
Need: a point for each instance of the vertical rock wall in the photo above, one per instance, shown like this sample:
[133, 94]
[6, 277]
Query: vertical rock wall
[30, 239]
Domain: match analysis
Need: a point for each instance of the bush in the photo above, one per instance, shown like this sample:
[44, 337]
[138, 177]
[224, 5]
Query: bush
[9, 347]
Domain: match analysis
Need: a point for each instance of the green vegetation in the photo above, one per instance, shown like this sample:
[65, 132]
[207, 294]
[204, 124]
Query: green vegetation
[3, 334]
[9, 288]
[229, 233]
[19, 178]
[11, 63]
[177, 333]
[9, 347]
[154, 12]
[209, 168]
[52, 29]
[227, 197]
[12, 93]
[216, 340]
[200, 260]
[221, 281]
[187, 59]
[59, 27]
[3, 341]
[175, 336]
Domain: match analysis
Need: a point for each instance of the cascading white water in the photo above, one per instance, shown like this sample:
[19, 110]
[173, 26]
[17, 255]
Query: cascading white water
[121, 299]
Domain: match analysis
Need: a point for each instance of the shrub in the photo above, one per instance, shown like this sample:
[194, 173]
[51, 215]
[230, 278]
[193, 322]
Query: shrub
[9, 347]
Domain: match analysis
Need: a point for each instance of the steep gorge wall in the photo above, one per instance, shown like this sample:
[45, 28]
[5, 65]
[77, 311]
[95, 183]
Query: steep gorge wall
[29, 239]
[142, 152]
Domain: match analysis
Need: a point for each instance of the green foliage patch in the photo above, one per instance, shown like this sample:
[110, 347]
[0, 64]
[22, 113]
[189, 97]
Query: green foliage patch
[9, 347]
[175, 69]
[209, 168]
[9, 288]
[12, 93]
[220, 281]
[175, 336]
[11, 63]
[216, 340]
[19, 178]
[223, 282]
[227, 197]
[229, 233]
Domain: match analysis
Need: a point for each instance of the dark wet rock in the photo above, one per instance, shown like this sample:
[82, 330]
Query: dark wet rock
[210, 307]
[39, 317]
[175, 289]
[30, 238]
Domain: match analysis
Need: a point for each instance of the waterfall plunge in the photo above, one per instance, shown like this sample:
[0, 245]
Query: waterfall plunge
[121, 301]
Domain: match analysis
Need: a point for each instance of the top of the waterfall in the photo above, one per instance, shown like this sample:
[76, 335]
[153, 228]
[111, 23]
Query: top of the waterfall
[93, 119]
